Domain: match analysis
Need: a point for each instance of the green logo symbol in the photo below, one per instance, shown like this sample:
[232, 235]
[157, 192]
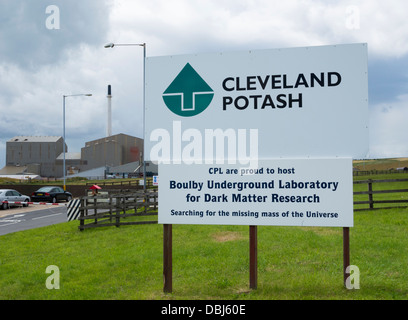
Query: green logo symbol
[188, 94]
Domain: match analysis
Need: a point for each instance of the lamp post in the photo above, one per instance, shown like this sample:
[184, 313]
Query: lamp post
[63, 126]
[111, 45]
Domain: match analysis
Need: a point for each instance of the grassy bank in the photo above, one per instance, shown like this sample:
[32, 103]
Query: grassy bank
[209, 262]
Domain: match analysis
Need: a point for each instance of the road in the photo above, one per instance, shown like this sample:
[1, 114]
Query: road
[34, 216]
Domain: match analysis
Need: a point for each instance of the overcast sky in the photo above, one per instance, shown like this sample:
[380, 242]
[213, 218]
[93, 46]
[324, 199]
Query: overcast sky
[51, 48]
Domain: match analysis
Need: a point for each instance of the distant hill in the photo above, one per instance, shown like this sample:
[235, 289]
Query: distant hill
[380, 164]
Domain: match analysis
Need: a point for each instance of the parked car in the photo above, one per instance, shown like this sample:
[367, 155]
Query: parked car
[9, 196]
[51, 194]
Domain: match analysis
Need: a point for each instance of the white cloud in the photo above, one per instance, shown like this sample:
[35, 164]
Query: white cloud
[389, 129]
[26, 40]
[183, 26]
[41, 65]
[36, 104]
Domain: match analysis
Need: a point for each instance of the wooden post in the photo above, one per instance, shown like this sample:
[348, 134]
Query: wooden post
[370, 193]
[95, 210]
[117, 211]
[145, 199]
[346, 253]
[82, 215]
[110, 207]
[253, 257]
[167, 258]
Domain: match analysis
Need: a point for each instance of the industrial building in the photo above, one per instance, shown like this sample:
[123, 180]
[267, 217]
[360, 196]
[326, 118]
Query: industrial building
[33, 155]
[43, 156]
[111, 151]
[117, 155]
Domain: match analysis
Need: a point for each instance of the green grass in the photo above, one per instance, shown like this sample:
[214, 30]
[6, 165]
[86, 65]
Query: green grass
[209, 262]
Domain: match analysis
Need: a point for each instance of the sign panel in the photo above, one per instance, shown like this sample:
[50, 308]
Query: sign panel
[281, 192]
[240, 107]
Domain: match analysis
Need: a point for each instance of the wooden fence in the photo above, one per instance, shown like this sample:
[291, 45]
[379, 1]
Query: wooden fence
[117, 207]
[374, 171]
[124, 183]
[400, 195]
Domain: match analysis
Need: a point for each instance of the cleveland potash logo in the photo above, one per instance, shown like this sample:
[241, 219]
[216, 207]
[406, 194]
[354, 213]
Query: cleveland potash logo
[188, 95]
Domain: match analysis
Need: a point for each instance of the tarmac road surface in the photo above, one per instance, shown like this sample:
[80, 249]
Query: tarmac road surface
[33, 216]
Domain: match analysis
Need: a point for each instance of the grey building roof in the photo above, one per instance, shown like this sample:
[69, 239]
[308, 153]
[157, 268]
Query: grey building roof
[35, 139]
[125, 168]
[70, 156]
[9, 170]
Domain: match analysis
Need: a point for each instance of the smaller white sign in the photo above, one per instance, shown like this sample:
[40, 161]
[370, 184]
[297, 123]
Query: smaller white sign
[281, 192]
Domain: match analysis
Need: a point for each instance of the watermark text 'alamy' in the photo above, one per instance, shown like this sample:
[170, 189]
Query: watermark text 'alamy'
[214, 146]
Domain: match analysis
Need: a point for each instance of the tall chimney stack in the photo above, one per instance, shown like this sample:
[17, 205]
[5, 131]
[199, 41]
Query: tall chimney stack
[109, 124]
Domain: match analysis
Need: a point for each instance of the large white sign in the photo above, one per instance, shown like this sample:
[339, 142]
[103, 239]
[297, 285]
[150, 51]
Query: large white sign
[240, 107]
[284, 192]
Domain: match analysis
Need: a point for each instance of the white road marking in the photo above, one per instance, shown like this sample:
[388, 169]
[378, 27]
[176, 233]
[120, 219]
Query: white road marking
[50, 215]
[10, 222]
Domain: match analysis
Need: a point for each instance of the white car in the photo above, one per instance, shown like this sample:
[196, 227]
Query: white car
[12, 198]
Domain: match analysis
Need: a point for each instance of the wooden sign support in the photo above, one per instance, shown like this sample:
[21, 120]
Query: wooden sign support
[346, 253]
[253, 257]
[168, 258]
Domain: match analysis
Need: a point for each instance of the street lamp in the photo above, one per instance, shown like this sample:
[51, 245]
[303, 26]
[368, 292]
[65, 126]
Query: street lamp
[111, 45]
[63, 125]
